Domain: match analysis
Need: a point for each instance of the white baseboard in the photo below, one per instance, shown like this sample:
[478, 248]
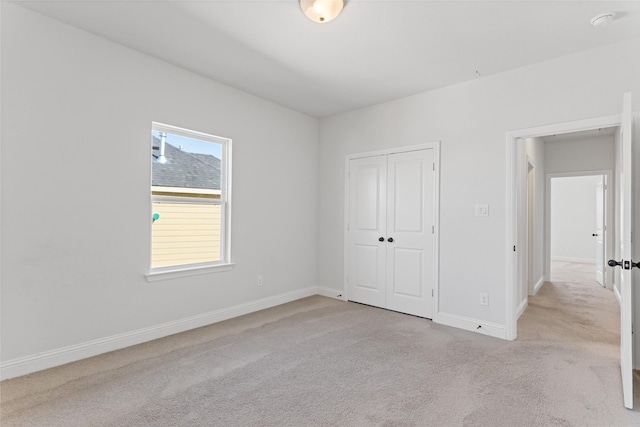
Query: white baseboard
[538, 285]
[473, 325]
[573, 259]
[522, 307]
[331, 293]
[49, 359]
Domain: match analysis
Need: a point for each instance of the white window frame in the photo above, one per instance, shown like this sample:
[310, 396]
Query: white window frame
[224, 264]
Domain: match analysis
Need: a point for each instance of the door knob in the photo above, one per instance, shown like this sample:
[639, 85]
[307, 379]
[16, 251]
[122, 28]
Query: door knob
[627, 265]
[390, 240]
[381, 239]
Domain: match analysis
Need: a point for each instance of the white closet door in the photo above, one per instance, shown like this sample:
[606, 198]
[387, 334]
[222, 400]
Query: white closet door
[410, 217]
[367, 224]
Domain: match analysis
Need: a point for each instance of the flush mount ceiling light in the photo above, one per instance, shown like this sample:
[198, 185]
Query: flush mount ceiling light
[602, 19]
[321, 11]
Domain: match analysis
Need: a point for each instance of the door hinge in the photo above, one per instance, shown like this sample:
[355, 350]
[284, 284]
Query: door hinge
[433, 229]
[514, 248]
[431, 293]
[434, 166]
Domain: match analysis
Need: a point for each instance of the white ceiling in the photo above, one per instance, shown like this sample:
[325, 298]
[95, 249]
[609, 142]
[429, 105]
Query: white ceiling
[376, 50]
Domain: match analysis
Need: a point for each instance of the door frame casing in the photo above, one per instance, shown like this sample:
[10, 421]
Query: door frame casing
[436, 213]
[512, 273]
[608, 215]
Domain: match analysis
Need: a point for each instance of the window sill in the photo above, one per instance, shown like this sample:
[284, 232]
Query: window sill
[178, 272]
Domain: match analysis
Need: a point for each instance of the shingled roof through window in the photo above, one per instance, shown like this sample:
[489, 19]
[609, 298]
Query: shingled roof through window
[183, 169]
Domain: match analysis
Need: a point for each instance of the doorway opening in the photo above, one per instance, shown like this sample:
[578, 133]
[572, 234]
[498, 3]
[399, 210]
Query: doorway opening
[578, 217]
[532, 155]
[623, 141]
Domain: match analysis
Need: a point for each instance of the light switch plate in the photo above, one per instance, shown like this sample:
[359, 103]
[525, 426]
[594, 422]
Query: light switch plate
[484, 298]
[482, 210]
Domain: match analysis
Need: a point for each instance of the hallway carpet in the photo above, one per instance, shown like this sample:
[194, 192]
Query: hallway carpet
[323, 362]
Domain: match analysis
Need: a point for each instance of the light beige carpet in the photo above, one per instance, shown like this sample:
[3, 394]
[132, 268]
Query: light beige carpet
[320, 361]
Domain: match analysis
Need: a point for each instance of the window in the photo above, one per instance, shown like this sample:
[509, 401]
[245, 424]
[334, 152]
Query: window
[190, 200]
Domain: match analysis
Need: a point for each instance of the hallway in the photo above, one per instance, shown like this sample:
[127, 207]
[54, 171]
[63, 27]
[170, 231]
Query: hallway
[582, 309]
[574, 272]
[574, 310]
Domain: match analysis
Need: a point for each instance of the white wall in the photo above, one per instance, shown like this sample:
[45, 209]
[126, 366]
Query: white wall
[76, 116]
[594, 153]
[75, 223]
[471, 120]
[573, 219]
[531, 151]
[535, 150]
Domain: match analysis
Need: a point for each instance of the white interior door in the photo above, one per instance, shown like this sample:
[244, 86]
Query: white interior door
[367, 230]
[410, 219]
[599, 230]
[626, 282]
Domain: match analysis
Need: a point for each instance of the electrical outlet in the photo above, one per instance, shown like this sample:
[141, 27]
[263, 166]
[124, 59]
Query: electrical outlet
[484, 298]
[260, 281]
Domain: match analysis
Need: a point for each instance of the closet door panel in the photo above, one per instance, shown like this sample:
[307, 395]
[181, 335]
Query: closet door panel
[367, 225]
[410, 254]
[407, 271]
